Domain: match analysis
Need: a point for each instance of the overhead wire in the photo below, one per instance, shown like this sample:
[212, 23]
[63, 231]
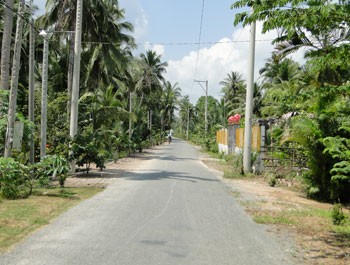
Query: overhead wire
[198, 46]
[199, 39]
[15, 12]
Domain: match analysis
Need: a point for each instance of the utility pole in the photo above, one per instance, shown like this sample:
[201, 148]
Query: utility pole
[31, 84]
[130, 111]
[43, 126]
[206, 104]
[249, 104]
[188, 121]
[76, 76]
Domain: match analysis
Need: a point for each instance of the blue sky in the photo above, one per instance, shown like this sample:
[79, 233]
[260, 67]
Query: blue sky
[159, 23]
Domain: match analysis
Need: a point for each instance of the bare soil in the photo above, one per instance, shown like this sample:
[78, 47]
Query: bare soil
[315, 241]
[312, 233]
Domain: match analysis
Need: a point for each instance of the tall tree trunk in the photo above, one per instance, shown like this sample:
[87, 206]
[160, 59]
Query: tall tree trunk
[70, 77]
[31, 85]
[44, 77]
[6, 46]
[14, 80]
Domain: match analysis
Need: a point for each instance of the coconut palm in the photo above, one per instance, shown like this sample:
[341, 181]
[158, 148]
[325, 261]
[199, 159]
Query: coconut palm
[104, 34]
[171, 94]
[149, 86]
[233, 88]
[278, 69]
[187, 113]
[283, 86]
[153, 69]
[6, 45]
[104, 107]
[11, 117]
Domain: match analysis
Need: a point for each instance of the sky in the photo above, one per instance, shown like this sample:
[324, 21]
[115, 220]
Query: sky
[172, 28]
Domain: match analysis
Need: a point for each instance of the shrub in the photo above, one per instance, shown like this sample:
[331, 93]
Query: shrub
[272, 181]
[15, 180]
[50, 168]
[89, 147]
[338, 216]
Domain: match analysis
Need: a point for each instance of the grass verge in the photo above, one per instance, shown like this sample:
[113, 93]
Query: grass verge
[18, 218]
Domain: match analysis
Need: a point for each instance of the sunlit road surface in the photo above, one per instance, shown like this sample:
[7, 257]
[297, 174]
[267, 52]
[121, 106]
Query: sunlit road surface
[170, 209]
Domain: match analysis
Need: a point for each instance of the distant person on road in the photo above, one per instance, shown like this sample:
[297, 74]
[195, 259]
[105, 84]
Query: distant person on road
[169, 136]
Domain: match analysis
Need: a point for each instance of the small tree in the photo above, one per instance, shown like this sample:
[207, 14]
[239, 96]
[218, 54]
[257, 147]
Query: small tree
[87, 147]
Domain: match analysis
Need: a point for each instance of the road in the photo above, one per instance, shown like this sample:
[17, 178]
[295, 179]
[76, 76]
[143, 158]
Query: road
[170, 209]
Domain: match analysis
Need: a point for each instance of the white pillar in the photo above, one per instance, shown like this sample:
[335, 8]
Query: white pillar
[76, 75]
[249, 104]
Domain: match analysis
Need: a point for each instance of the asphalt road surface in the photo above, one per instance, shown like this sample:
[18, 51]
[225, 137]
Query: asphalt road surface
[170, 210]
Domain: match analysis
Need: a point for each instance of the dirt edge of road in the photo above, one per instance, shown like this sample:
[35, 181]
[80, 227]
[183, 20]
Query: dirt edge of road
[305, 225]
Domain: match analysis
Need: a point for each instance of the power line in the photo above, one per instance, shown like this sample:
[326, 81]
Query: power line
[181, 43]
[199, 39]
[26, 19]
[203, 43]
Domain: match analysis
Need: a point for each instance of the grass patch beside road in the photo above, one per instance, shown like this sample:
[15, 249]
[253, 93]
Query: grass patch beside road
[18, 218]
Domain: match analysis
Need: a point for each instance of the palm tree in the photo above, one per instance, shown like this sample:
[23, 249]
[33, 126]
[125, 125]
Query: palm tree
[149, 85]
[104, 107]
[103, 34]
[153, 69]
[233, 88]
[11, 117]
[171, 94]
[187, 115]
[278, 69]
[6, 45]
[282, 86]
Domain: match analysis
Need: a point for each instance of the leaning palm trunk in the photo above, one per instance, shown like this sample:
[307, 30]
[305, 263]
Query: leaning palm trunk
[6, 46]
[14, 80]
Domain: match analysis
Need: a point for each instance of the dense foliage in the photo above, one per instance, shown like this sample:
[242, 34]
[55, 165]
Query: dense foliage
[126, 104]
[318, 91]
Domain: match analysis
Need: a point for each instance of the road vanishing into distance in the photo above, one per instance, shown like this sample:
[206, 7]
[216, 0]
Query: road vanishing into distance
[171, 209]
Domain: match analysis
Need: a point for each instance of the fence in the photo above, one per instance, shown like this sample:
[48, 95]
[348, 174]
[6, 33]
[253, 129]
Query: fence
[231, 140]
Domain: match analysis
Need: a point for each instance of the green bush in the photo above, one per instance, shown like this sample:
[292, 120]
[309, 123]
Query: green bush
[338, 216]
[50, 168]
[15, 181]
[88, 147]
[272, 181]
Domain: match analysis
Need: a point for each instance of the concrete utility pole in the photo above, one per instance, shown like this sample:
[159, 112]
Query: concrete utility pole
[130, 111]
[206, 104]
[188, 121]
[31, 84]
[76, 75]
[249, 104]
[43, 126]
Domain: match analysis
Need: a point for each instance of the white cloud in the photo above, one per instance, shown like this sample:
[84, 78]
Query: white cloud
[215, 62]
[141, 25]
[159, 49]
[137, 16]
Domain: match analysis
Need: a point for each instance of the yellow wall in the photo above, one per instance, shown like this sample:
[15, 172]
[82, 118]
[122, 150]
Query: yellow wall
[222, 137]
